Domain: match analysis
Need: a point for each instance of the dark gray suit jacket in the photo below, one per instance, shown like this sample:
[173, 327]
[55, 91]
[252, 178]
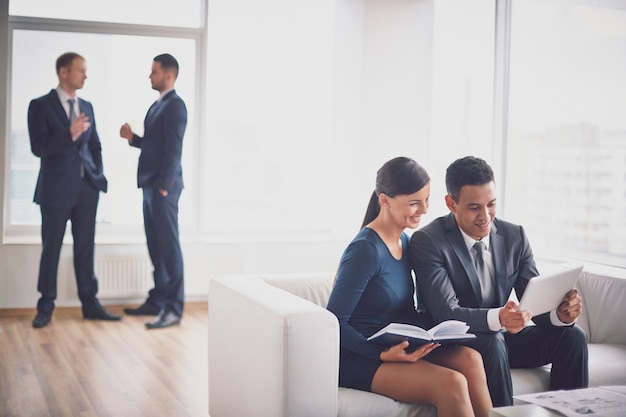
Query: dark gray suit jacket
[162, 144]
[59, 181]
[448, 286]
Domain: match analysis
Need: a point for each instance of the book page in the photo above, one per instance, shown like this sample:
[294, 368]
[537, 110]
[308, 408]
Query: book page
[449, 327]
[407, 330]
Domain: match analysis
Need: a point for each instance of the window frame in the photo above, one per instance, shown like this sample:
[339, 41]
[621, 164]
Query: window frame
[108, 233]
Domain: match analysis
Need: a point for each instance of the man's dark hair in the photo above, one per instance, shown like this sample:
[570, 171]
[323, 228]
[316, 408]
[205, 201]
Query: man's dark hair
[65, 60]
[168, 62]
[469, 170]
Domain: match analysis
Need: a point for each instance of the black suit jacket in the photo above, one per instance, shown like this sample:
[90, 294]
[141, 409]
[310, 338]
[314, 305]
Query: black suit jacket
[59, 181]
[448, 285]
[162, 144]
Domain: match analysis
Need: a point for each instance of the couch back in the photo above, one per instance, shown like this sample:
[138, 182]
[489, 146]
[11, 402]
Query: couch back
[314, 287]
[604, 308]
[604, 300]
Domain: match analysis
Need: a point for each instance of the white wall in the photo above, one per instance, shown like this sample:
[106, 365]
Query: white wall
[19, 266]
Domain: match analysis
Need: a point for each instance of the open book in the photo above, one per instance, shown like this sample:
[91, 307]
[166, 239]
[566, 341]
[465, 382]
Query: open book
[447, 332]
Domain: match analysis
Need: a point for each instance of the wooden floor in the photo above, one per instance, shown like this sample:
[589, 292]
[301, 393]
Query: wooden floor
[76, 367]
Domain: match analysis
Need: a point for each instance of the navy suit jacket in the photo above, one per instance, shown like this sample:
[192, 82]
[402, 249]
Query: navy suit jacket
[59, 181]
[162, 144]
[448, 285]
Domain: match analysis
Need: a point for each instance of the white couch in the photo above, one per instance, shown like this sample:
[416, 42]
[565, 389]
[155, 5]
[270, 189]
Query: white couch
[274, 349]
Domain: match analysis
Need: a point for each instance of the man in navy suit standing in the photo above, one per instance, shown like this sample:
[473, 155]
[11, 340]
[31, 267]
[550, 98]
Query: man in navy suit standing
[160, 176]
[467, 263]
[63, 135]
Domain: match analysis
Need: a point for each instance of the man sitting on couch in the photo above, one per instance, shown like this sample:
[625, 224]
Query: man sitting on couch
[467, 263]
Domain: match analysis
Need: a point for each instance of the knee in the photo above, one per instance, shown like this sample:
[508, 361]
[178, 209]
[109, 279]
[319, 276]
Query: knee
[473, 367]
[457, 387]
[577, 335]
[574, 338]
[471, 357]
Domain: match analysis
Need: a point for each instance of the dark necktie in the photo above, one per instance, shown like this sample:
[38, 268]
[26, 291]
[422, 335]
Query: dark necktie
[486, 283]
[72, 112]
[83, 151]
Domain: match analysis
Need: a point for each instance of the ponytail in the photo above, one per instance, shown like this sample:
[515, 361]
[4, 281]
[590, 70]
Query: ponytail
[373, 208]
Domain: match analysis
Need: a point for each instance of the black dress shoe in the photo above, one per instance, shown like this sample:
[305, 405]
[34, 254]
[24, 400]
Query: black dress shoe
[143, 310]
[165, 318]
[97, 312]
[41, 320]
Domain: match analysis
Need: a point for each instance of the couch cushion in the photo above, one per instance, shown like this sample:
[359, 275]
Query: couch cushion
[528, 381]
[607, 364]
[355, 403]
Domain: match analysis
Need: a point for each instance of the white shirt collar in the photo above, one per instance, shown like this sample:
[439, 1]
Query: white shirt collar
[470, 241]
[64, 96]
[163, 94]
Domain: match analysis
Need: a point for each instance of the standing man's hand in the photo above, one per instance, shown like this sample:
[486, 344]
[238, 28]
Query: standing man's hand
[571, 307]
[126, 132]
[512, 319]
[79, 126]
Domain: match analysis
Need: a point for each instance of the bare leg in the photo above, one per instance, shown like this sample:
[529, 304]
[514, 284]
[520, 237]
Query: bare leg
[425, 382]
[468, 362]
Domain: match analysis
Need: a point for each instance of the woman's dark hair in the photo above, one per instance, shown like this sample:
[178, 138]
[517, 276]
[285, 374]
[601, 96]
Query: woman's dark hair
[398, 176]
[469, 170]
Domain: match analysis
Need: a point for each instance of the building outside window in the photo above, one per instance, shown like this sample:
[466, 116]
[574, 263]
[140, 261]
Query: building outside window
[566, 147]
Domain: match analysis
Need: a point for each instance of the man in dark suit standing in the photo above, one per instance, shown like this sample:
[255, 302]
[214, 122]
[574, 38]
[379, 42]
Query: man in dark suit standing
[63, 135]
[159, 175]
[467, 263]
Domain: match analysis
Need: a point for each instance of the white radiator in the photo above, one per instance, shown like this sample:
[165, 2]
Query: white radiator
[123, 276]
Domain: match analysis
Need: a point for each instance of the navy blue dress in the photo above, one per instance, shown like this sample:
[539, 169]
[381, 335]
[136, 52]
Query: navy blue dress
[372, 290]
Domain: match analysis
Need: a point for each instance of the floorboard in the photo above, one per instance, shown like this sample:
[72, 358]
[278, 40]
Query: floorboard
[85, 368]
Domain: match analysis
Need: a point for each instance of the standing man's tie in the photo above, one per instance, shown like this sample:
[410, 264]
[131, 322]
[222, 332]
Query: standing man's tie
[72, 111]
[486, 282]
[83, 150]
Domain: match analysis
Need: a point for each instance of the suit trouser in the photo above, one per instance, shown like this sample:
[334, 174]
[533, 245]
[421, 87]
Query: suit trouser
[161, 225]
[564, 347]
[53, 222]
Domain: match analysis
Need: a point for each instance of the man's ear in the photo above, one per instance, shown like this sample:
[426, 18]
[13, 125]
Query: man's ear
[450, 203]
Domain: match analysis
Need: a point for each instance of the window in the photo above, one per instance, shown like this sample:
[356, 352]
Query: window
[566, 148]
[118, 65]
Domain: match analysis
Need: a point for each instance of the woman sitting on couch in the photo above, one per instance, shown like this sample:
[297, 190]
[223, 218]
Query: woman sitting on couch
[374, 287]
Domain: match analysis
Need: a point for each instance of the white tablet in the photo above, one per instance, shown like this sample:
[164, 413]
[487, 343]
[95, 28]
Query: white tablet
[545, 292]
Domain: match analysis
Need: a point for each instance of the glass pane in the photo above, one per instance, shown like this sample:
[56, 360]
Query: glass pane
[181, 13]
[119, 89]
[566, 166]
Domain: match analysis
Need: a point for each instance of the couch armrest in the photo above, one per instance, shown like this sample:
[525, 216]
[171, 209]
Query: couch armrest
[271, 353]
